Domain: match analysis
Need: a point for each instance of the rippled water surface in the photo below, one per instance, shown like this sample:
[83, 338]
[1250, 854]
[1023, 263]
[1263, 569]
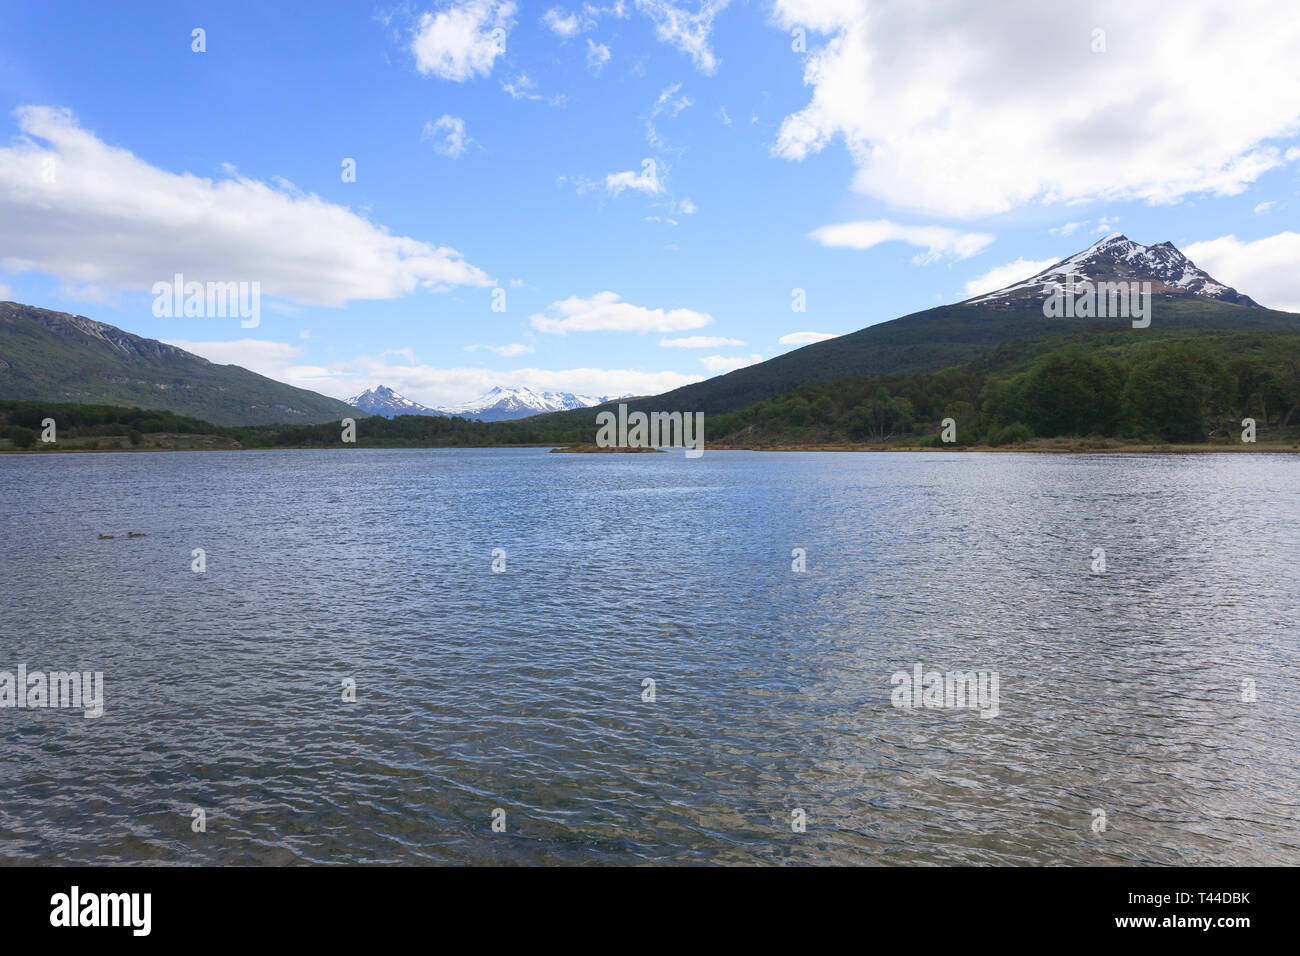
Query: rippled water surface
[522, 691]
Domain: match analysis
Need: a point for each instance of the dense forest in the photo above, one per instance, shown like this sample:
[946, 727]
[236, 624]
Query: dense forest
[1173, 391]
[106, 426]
[1086, 384]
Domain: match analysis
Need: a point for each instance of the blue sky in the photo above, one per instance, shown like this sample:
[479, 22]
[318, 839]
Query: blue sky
[643, 186]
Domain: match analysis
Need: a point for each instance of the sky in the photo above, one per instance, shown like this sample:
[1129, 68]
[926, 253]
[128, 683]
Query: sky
[621, 198]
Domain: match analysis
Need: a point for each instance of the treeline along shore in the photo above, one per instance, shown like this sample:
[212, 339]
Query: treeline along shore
[1094, 390]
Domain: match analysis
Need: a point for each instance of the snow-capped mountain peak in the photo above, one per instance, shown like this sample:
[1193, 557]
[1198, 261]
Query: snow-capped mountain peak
[519, 401]
[497, 404]
[382, 400]
[1117, 258]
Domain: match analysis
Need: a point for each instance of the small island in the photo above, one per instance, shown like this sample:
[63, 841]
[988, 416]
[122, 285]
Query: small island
[585, 449]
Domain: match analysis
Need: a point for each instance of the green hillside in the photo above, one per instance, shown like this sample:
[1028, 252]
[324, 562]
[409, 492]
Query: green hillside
[947, 337]
[1176, 385]
[57, 357]
[1187, 386]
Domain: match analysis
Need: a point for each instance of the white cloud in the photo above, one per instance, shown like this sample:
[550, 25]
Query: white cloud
[448, 135]
[1293, 154]
[700, 342]
[521, 88]
[257, 355]
[426, 384]
[937, 241]
[668, 102]
[687, 31]
[562, 23]
[98, 294]
[606, 312]
[449, 386]
[462, 40]
[109, 218]
[1000, 277]
[805, 338]
[972, 109]
[1263, 207]
[1069, 229]
[1264, 269]
[6, 293]
[646, 181]
[728, 363]
[597, 56]
[507, 351]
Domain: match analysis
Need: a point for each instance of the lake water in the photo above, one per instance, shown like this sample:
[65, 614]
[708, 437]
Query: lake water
[522, 691]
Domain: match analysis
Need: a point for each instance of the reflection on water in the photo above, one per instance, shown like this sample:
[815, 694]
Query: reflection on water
[523, 690]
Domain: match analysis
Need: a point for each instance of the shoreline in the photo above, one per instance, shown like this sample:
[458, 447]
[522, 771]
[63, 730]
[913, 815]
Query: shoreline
[1066, 449]
[1061, 449]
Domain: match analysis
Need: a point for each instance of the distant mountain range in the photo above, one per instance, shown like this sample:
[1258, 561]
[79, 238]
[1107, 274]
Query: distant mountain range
[503, 404]
[499, 404]
[53, 356]
[57, 357]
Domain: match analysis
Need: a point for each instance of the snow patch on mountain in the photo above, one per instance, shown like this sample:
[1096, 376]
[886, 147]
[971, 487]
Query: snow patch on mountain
[382, 400]
[1118, 258]
[501, 404]
[498, 404]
